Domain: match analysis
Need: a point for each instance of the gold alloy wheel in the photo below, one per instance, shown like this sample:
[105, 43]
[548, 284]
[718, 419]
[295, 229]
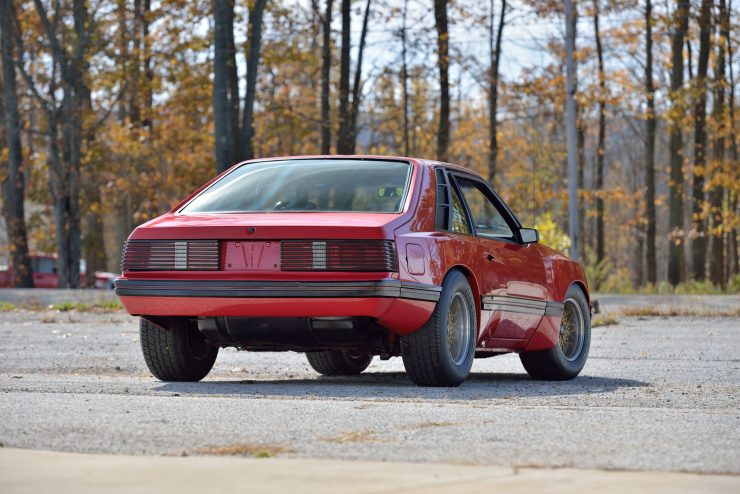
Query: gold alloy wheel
[572, 330]
[458, 329]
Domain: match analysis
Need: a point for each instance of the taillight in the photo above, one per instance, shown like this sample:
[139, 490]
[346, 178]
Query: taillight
[338, 255]
[170, 255]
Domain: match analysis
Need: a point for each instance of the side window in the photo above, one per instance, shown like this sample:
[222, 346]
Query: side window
[489, 222]
[458, 218]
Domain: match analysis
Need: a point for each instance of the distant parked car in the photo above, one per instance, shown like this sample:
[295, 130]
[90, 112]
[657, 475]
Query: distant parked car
[44, 269]
[104, 280]
[348, 257]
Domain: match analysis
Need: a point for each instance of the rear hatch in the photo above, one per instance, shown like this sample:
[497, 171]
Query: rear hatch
[264, 242]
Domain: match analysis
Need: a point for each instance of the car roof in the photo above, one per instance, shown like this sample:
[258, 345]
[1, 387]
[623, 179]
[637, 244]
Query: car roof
[420, 161]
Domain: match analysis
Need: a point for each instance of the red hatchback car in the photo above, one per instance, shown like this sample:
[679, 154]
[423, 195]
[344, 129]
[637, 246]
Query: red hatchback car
[348, 257]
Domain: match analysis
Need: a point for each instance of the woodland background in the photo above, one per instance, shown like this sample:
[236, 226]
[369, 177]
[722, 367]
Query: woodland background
[113, 110]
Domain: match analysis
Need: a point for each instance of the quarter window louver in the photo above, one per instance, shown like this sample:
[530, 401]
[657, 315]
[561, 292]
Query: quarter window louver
[170, 255]
[338, 255]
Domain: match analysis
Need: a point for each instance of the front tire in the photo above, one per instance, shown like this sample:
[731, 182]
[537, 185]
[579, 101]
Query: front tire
[566, 359]
[338, 362]
[441, 352]
[178, 352]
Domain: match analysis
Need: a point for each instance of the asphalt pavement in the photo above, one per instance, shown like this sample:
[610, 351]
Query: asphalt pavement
[657, 394]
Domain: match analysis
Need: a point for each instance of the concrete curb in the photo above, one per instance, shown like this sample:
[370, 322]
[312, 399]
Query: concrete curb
[27, 471]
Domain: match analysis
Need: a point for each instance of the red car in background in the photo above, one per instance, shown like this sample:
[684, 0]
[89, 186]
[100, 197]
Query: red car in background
[44, 269]
[346, 258]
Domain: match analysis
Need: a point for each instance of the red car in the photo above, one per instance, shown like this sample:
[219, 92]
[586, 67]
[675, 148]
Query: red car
[348, 257]
[44, 270]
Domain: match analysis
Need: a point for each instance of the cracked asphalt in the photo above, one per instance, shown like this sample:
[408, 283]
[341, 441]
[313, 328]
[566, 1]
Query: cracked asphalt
[656, 394]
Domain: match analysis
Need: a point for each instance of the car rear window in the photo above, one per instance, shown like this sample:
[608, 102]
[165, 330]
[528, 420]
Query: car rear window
[319, 185]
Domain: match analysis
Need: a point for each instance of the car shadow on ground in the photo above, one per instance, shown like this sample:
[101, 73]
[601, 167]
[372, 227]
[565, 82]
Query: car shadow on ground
[383, 385]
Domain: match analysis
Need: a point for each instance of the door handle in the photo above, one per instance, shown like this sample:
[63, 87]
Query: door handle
[489, 257]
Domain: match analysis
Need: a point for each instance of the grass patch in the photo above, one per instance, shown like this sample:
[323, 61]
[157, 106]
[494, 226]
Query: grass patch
[99, 306]
[350, 437]
[70, 306]
[249, 450]
[7, 307]
[676, 311]
[428, 425]
[604, 320]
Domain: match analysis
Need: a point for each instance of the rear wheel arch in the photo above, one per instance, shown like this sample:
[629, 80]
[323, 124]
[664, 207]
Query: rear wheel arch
[473, 282]
[582, 286]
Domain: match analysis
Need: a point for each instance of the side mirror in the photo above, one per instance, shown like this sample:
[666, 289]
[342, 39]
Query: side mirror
[529, 235]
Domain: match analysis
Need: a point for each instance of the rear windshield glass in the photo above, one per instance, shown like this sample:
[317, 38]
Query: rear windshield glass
[308, 185]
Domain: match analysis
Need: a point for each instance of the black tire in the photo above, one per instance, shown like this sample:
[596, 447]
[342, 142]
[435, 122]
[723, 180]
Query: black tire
[426, 352]
[178, 352]
[553, 364]
[338, 362]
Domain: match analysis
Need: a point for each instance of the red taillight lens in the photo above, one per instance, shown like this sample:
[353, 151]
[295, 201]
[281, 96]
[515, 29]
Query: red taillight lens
[170, 255]
[338, 255]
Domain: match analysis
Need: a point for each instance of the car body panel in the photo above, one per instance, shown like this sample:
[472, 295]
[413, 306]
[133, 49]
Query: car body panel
[517, 287]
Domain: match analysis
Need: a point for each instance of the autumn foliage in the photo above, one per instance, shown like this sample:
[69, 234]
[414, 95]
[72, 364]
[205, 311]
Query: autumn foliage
[118, 96]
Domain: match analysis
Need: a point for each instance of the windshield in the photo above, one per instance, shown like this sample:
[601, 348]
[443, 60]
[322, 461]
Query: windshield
[320, 185]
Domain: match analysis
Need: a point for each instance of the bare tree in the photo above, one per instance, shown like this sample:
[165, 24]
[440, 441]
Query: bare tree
[716, 196]
[234, 141]
[326, 79]
[443, 65]
[699, 246]
[570, 106]
[343, 139]
[675, 146]
[601, 146]
[254, 42]
[405, 78]
[223, 78]
[495, 55]
[64, 153]
[652, 276]
[356, 85]
[734, 256]
[13, 185]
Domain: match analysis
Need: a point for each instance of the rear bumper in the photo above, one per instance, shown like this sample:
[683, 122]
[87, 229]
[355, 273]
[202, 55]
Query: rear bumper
[402, 307]
[277, 289]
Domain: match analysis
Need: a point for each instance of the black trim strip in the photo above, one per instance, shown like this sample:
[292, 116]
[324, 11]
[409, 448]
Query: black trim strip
[276, 289]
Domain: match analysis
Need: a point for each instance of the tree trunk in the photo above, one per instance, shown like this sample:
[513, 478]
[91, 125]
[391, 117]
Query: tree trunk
[13, 185]
[570, 108]
[223, 14]
[652, 276]
[443, 65]
[326, 79]
[343, 138]
[716, 196]
[495, 55]
[676, 248]
[148, 70]
[699, 247]
[734, 251]
[254, 42]
[358, 80]
[134, 94]
[601, 145]
[123, 57]
[405, 80]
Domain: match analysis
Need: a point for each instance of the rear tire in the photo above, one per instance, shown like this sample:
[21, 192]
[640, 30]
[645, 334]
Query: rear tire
[338, 362]
[566, 359]
[178, 352]
[441, 352]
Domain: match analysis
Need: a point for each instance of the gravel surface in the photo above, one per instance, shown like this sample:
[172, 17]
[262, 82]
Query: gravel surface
[656, 394]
